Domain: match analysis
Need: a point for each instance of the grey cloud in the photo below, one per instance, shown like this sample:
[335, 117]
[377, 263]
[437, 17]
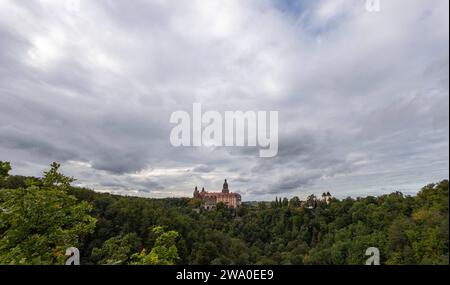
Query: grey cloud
[290, 183]
[119, 161]
[360, 95]
[14, 139]
[204, 169]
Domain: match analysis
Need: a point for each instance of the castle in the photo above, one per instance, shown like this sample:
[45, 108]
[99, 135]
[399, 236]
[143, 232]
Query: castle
[211, 199]
[326, 197]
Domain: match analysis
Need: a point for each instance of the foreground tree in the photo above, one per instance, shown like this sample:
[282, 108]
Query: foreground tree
[5, 168]
[116, 250]
[164, 251]
[38, 222]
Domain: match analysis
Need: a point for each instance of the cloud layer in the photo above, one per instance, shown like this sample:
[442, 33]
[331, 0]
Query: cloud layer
[362, 97]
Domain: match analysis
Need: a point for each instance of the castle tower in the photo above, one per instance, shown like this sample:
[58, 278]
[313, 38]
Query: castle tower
[225, 187]
[196, 193]
[326, 197]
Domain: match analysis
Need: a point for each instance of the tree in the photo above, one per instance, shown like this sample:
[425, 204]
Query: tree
[311, 201]
[14, 182]
[54, 179]
[116, 250]
[5, 168]
[295, 202]
[37, 224]
[164, 251]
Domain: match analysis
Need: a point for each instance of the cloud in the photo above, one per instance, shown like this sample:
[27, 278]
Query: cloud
[204, 169]
[362, 97]
[289, 184]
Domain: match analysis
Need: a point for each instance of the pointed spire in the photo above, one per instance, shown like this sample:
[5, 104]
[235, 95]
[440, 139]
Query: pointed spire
[196, 193]
[225, 187]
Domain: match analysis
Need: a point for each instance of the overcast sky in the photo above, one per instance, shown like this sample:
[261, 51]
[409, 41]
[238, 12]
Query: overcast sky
[363, 97]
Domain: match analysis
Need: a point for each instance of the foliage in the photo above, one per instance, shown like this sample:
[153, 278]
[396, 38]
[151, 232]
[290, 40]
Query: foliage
[164, 251]
[38, 221]
[116, 250]
[5, 168]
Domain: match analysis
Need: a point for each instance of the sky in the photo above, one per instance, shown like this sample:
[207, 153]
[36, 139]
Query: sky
[362, 95]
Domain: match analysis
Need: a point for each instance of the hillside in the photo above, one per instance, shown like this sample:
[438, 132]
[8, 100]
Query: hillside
[110, 229]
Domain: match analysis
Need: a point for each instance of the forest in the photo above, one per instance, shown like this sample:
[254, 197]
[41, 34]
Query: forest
[41, 217]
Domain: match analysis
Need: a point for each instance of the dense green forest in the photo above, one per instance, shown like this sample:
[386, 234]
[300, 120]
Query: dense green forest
[41, 217]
